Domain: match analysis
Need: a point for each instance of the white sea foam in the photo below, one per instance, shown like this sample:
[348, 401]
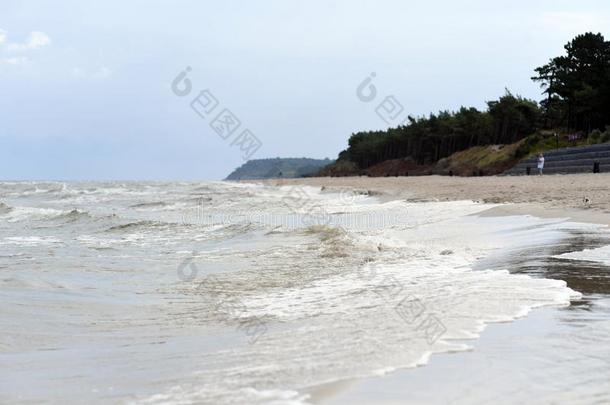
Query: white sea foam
[31, 213]
[336, 301]
[600, 255]
[29, 240]
[372, 314]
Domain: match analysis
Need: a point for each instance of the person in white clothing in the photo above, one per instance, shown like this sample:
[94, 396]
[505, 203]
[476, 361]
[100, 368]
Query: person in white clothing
[540, 163]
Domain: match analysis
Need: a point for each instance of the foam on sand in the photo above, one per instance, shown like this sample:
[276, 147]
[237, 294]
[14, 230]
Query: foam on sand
[600, 255]
[399, 295]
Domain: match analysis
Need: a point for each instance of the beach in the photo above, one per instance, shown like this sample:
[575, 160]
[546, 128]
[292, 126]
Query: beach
[550, 356]
[394, 290]
[583, 197]
[305, 203]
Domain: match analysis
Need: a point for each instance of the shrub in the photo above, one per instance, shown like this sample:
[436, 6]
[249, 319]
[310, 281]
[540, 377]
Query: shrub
[528, 146]
[595, 136]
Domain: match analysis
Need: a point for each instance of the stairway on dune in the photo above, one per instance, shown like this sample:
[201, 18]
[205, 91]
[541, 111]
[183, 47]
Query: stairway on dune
[579, 159]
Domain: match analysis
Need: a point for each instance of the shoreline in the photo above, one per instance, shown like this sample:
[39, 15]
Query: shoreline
[504, 354]
[579, 197]
[486, 360]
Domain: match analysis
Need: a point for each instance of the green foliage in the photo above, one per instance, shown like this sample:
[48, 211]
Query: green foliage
[527, 146]
[595, 136]
[490, 160]
[274, 168]
[605, 137]
[428, 139]
[577, 84]
[577, 89]
[514, 117]
[543, 141]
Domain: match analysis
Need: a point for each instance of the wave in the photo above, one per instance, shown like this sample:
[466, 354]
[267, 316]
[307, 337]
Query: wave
[157, 204]
[342, 300]
[4, 208]
[146, 225]
[398, 296]
[29, 240]
[335, 242]
[73, 215]
[17, 214]
[204, 188]
[185, 203]
[132, 226]
[198, 199]
[33, 189]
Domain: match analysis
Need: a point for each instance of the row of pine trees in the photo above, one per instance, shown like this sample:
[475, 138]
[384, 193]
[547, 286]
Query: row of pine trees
[577, 98]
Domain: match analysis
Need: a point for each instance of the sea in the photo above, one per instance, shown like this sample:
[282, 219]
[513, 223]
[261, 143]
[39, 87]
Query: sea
[234, 293]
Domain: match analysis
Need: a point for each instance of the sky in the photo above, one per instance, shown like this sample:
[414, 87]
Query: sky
[90, 90]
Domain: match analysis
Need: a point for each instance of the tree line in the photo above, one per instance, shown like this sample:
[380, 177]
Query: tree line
[576, 87]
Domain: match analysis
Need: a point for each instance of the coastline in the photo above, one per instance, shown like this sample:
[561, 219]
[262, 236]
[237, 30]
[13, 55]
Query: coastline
[578, 197]
[470, 300]
[491, 369]
[542, 357]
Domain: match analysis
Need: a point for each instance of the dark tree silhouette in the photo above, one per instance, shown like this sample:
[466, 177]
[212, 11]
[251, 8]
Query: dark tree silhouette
[577, 85]
[577, 97]
[428, 139]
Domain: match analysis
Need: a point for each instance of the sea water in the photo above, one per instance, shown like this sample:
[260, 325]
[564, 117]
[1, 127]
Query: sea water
[221, 293]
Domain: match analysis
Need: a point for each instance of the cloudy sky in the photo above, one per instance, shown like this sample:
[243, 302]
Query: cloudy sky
[86, 87]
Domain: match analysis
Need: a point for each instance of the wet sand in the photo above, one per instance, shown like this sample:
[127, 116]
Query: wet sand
[553, 355]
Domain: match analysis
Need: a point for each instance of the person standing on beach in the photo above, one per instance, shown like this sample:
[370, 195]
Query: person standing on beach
[540, 163]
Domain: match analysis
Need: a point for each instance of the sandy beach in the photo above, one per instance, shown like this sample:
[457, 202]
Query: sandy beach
[581, 197]
[305, 203]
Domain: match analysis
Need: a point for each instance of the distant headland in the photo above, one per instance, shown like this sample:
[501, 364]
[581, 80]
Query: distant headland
[278, 168]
